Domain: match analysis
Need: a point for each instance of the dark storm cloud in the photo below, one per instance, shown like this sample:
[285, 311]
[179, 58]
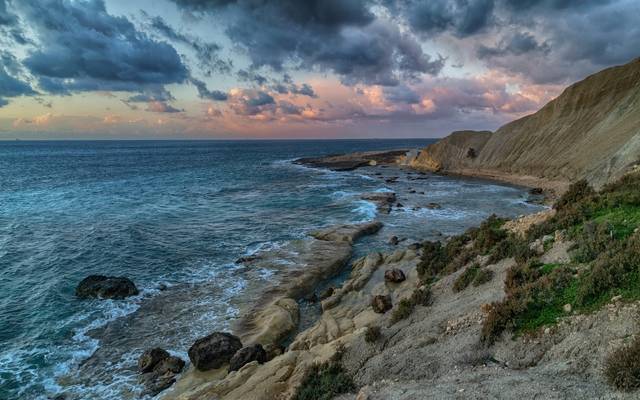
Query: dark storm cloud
[462, 17]
[249, 102]
[289, 108]
[517, 44]
[342, 36]
[572, 38]
[206, 52]
[83, 48]
[12, 87]
[205, 93]
[401, 94]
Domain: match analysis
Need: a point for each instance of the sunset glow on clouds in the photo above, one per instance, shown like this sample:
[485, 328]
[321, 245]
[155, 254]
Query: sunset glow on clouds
[293, 69]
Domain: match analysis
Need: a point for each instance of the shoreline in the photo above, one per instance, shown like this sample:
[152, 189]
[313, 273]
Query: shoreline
[274, 316]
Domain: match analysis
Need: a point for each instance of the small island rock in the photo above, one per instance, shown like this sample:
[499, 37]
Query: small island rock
[106, 287]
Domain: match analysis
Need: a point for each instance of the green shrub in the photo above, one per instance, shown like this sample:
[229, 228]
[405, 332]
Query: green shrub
[594, 239]
[421, 296]
[488, 235]
[432, 261]
[483, 276]
[465, 278]
[324, 382]
[577, 192]
[402, 310]
[622, 367]
[372, 334]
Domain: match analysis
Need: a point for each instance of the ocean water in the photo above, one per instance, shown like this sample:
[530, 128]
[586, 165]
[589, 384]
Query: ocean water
[175, 214]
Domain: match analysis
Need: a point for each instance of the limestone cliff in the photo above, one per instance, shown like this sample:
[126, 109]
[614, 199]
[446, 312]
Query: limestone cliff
[592, 131]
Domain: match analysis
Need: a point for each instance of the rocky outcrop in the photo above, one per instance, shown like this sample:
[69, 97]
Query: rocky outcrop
[159, 370]
[246, 355]
[349, 162]
[106, 287]
[592, 131]
[347, 233]
[214, 350]
[383, 200]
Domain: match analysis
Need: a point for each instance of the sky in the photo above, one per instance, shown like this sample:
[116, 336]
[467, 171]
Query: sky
[240, 69]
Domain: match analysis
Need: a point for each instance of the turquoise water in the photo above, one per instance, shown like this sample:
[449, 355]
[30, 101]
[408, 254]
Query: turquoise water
[170, 213]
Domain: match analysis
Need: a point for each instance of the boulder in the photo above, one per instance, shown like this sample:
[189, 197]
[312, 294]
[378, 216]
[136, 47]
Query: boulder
[394, 275]
[434, 206]
[381, 303]
[213, 351]
[159, 370]
[150, 358]
[246, 355]
[106, 287]
[393, 240]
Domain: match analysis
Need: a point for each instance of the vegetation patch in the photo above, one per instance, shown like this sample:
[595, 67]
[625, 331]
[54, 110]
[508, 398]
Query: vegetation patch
[402, 310]
[622, 367]
[483, 276]
[372, 334]
[603, 225]
[466, 277]
[324, 382]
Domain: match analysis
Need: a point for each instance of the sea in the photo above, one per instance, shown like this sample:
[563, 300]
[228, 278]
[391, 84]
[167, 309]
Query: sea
[175, 216]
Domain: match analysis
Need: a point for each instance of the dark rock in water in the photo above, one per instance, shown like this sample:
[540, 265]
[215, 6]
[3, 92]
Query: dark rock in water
[381, 303]
[162, 287]
[399, 205]
[392, 179]
[434, 206]
[213, 351]
[170, 364]
[394, 240]
[420, 192]
[328, 292]
[246, 355]
[536, 191]
[412, 191]
[246, 259]
[59, 397]
[414, 246]
[159, 370]
[378, 174]
[150, 358]
[394, 275]
[106, 287]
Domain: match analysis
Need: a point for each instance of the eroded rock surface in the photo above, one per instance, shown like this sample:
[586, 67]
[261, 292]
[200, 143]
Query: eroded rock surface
[106, 287]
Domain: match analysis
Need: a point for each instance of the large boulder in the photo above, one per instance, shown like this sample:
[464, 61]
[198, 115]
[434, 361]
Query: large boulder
[246, 355]
[159, 370]
[213, 351]
[394, 275]
[381, 303]
[150, 358]
[106, 287]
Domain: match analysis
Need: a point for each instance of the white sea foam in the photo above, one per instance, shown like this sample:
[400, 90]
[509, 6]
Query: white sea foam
[366, 210]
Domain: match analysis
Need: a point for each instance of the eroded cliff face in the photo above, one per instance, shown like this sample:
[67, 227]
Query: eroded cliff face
[592, 131]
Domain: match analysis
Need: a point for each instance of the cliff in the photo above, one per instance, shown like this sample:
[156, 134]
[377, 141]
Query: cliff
[592, 131]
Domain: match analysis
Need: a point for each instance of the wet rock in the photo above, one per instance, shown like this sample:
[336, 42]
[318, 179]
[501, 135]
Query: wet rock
[434, 206]
[383, 200]
[213, 351]
[394, 275]
[381, 303]
[328, 292]
[413, 246]
[106, 287]
[246, 259]
[536, 191]
[347, 233]
[412, 191]
[150, 358]
[392, 179]
[246, 355]
[393, 240]
[399, 205]
[159, 370]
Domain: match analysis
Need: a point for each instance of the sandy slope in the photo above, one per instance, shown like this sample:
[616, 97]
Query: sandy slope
[592, 130]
